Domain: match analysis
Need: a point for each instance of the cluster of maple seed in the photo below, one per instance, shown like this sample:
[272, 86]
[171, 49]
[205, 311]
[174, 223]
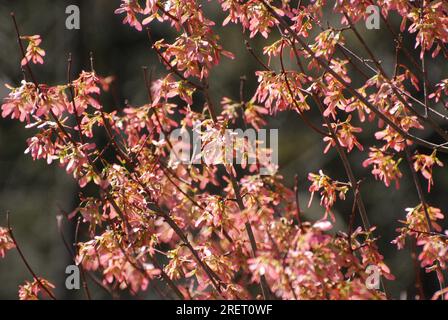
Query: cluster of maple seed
[152, 219]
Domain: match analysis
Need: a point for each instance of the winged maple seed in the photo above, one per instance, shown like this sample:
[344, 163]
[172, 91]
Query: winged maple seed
[34, 53]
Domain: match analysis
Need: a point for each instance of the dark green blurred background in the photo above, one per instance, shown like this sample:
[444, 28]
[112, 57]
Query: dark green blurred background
[35, 192]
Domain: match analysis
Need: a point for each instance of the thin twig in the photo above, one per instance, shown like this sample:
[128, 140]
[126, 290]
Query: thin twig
[22, 256]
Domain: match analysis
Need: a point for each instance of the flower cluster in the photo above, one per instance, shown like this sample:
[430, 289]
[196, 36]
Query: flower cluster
[344, 132]
[33, 290]
[280, 92]
[422, 225]
[34, 53]
[424, 163]
[329, 190]
[385, 167]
